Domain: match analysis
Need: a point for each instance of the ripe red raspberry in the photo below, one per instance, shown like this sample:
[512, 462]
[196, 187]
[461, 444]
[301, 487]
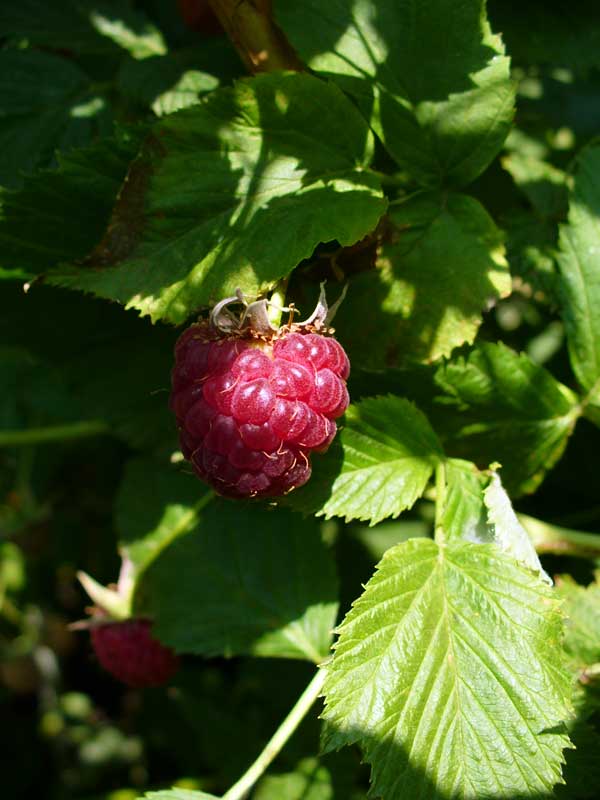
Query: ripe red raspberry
[251, 409]
[129, 652]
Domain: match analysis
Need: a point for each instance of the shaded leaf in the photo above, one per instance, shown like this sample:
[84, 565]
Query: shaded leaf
[448, 672]
[258, 582]
[95, 340]
[97, 27]
[531, 250]
[84, 187]
[441, 265]
[541, 32]
[185, 93]
[312, 779]
[46, 103]
[582, 609]
[543, 184]
[500, 406]
[378, 466]
[579, 264]
[234, 193]
[155, 505]
[438, 95]
[166, 83]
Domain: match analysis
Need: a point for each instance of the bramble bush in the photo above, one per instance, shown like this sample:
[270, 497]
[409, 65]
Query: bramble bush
[387, 629]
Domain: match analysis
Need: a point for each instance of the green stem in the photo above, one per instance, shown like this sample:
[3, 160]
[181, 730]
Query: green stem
[282, 734]
[53, 433]
[277, 302]
[560, 541]
[440, 501]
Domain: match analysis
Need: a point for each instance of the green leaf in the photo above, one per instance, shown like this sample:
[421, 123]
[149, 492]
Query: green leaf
[311, 780]
[93, 27]
[94, 340]
[500, 406]
[245, 580]
[128, 29]
[579, 267]
[463, 513]
[582, 609]
[379, 465]
[185, 93]
[531, 249]
[441, 265]
[154, 506]
[234, 193]
[544, 185]
[46, 103]
[166, 83]
[508, 533]
[431, 78]
[84, 187]
[477, 509]
[448, 672]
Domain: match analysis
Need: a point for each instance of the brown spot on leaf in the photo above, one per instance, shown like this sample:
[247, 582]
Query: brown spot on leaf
[127, 219]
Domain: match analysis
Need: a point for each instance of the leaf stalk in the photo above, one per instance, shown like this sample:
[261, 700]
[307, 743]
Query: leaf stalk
[239, 790]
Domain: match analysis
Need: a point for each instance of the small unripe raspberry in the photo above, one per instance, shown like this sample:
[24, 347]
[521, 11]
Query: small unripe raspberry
[131, 654]
[252, 407]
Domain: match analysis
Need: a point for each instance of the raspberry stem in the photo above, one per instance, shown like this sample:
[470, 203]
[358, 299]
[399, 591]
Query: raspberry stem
[440, 501]
[279, 739]
[277, 303]
[554, 539]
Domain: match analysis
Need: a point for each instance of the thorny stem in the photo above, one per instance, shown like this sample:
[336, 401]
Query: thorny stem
[239, 790]
[261, 45]
[52, 433]
[548, 538]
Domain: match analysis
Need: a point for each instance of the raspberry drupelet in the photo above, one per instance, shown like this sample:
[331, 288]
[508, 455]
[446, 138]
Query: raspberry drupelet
[131, 654]
[251, 408]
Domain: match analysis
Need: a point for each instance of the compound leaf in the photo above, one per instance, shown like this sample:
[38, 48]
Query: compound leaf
[380, 464]
[431, 77]
[244, 580]
[234, 192]
[449, 673]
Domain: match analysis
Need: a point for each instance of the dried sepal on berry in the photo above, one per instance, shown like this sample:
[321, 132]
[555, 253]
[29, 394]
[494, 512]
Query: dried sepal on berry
[253, 401]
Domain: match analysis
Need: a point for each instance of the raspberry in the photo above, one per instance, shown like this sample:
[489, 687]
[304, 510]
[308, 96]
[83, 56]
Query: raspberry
[129, 652]
[251, 408]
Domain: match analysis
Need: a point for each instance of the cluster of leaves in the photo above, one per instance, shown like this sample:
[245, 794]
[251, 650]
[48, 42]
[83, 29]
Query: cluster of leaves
[458, 195]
